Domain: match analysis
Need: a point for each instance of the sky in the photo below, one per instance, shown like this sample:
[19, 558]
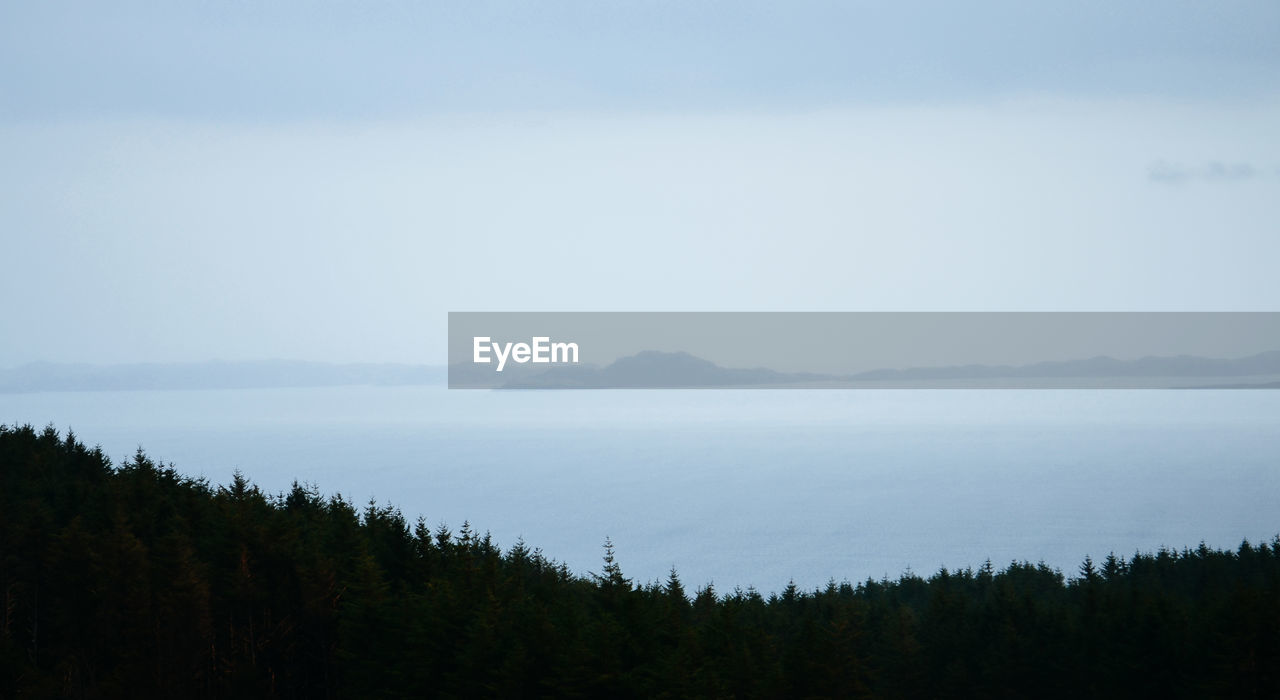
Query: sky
[185, 181]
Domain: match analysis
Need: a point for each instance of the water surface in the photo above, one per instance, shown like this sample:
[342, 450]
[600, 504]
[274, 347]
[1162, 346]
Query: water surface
[740, 487]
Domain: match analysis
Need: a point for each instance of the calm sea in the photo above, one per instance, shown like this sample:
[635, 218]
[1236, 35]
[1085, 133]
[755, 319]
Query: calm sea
[740, 488]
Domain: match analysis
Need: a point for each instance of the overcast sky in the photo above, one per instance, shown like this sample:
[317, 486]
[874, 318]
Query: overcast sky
[242, 180]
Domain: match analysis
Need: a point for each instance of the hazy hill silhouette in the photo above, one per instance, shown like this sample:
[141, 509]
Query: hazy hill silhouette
[648, 369]
[654, 369]
[1264, 363]
[48, 376]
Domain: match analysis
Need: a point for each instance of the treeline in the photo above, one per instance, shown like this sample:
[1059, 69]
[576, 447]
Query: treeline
[139, 582]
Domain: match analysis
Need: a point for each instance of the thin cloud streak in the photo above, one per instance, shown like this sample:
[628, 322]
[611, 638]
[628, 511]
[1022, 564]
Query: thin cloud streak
[286, 61]
[1167, 173]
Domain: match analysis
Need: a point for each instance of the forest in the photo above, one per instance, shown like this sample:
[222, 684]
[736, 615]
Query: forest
[133, 580]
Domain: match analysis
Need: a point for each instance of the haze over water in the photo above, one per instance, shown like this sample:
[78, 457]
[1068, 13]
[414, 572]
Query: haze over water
[740, 488]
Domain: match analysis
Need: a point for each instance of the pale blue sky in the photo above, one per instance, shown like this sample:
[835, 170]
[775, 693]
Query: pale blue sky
[187, 181]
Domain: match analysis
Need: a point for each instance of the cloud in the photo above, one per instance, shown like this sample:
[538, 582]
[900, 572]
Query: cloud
[1167, 173]
[300, 61]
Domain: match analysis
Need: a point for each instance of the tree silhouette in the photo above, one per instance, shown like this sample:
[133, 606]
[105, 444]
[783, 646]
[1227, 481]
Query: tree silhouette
[136, 581]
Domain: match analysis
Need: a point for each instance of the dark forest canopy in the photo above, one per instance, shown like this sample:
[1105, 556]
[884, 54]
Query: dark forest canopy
[137, 581]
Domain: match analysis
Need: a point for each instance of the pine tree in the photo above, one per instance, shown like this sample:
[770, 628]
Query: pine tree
[675, 589]
[1087, 572]
[611, 577]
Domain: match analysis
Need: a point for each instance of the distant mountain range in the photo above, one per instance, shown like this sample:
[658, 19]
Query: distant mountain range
[655, 370]
[1101, 366]
[652, 369]
[649, 369]
[45, 376]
